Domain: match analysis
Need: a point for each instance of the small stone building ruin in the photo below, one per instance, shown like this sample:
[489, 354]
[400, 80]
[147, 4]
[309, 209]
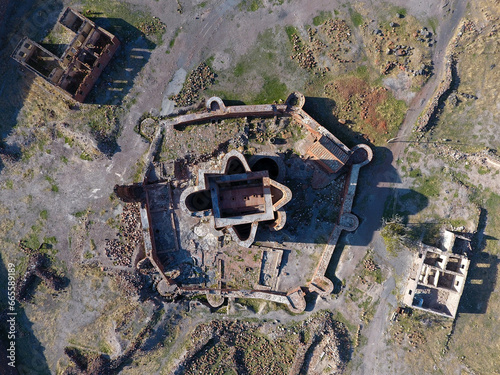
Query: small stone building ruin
[438, 276]
[75, 72]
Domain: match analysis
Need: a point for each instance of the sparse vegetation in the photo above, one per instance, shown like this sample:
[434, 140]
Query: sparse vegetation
[272, 91]
[321, 18]
[356, 18]
[250, 5]
[396, 235]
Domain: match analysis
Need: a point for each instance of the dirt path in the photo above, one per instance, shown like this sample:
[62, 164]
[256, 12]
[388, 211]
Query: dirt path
[382, 180]
[445, 34]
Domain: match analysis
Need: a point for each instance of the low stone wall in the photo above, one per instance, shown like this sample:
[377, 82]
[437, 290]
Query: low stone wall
[347, 221]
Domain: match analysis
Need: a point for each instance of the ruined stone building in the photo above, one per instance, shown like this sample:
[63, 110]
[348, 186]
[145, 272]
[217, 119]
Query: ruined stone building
[438, 276]
[238, 198]
[75, 72]
[200, 221]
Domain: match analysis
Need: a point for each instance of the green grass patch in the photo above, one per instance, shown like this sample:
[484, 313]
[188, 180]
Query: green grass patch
[85, 156]
[321, 18]
[138, 176]
[102, 121]
[430, 186]
[355, 295]
[414, 173]
[44, 214]
[483, 170]
[53, 185]
[291, 31]
[396, 235]
[251, 5]
[124, 20]
[352, 328]
[210, 61]
[433, 23]
[272, 90]
[252, 303]
[81, 214]
[172, 41]
[400, 10]
[52, 240]
[362, 72]
[356, 18]
[240, 69]
[264, 64]
[104, 347]
[413, 157]
[32, 239]
[393, 112]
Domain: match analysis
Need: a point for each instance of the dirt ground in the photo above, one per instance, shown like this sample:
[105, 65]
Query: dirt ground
[57, 177]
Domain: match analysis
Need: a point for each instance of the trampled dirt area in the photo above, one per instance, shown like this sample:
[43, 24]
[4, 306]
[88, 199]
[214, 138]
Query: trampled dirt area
[363, 68]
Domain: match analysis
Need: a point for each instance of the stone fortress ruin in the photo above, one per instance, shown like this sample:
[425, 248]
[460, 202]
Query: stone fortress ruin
[222, 226]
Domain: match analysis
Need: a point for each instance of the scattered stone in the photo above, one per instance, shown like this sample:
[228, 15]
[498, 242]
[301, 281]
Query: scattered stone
[303, 55]
[200, 79]
[453, 99]
[120, 250]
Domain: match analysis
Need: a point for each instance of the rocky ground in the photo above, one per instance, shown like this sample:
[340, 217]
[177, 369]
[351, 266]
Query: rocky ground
[317, 345]
[61, 160]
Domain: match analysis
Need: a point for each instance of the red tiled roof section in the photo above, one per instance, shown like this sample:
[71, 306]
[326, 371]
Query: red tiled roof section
[328, 154]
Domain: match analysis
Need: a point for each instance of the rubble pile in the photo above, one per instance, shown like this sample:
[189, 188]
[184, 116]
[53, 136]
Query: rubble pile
[416, 338]
[200, 79]
[424, 36]
[120, 250]
[330, 343]
[337, 31]
[131, 283]
[303, 54]
[316, 44]
[369, 264]
[153, 26]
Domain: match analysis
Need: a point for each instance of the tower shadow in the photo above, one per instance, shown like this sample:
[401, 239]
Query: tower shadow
[29, 352]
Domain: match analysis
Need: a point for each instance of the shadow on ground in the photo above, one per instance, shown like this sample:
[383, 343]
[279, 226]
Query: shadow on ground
[31, 18]
[322, 110]
[375, 197]
[30, 358]
[483, 271]
[118, 77]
